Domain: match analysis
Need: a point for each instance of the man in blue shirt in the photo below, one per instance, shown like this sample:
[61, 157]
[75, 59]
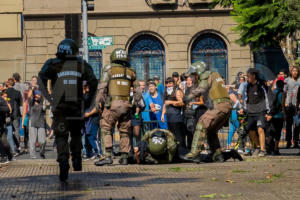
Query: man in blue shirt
[156, 106]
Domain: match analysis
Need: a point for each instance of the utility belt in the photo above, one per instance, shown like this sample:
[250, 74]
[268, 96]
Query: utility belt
[222, 100]
[120, 98]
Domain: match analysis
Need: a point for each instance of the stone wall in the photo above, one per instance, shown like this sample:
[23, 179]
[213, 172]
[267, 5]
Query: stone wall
[176, 33]
[11, 58]
[41, 36]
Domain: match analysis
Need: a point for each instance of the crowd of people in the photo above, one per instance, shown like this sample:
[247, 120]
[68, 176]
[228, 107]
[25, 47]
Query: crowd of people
[262, 110]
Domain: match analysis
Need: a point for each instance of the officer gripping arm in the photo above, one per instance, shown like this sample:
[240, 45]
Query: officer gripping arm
[203, 87]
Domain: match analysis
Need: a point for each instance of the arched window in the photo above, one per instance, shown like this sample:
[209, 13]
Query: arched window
[147, 56]
[212, 50]
[269, 61]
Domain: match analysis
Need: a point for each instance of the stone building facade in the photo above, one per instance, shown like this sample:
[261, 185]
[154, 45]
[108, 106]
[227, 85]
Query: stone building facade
[159, 39]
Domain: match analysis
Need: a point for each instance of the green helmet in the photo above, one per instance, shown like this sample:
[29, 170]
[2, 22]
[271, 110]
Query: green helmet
[197, 67]
[119, 55]
[67, 47]
[158, 143]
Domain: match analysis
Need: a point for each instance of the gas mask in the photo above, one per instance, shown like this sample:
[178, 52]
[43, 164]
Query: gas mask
[170, 90]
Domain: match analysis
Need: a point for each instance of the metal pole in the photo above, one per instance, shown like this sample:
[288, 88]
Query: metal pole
[85, 31]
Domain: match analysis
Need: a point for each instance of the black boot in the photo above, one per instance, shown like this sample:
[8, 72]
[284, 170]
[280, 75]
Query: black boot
[64, 170]
[232, 154]
[104, 161]
[77, 163]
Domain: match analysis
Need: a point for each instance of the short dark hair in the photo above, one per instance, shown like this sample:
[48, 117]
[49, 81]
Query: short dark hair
[253, 71]
[175, 74]
[152, 83]
[16, 76]
[10, 82]
[182, 77]
[169, 80]
[282, 70]
[156, 78]
[3, 92]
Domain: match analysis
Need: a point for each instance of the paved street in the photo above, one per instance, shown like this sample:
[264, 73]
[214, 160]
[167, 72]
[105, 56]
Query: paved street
[256, 178]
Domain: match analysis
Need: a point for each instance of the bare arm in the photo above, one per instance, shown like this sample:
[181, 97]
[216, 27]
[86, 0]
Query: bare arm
[163, 113]
[24, 113]
[200, 102]
[179, 96]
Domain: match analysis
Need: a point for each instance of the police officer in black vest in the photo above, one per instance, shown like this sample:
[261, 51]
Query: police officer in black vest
[67, 73]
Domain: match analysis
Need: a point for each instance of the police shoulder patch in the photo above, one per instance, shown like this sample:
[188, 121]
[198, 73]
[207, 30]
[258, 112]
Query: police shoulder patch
[106, 68]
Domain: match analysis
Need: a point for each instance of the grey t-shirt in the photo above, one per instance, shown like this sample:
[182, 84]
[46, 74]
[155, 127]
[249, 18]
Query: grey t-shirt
[290, 88]
[21, 87]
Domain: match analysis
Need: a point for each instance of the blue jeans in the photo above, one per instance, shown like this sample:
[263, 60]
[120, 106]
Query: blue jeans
[234, 124]
[10, 137]
[93, 140]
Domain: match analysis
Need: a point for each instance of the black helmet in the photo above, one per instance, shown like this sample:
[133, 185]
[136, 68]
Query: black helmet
[67, 47]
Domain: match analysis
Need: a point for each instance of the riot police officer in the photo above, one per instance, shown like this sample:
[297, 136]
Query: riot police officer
[212, 86]
[157, 146]
[113, 100]
[67, 73]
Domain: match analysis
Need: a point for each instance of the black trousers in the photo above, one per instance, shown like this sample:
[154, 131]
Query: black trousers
[5, 149]
[179, 130]
[290, 133]
[63, 126]
[26, 137]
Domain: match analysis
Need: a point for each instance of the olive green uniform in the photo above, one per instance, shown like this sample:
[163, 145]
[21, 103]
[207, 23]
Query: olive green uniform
[213, 119]
[114, 94]
[160, 152]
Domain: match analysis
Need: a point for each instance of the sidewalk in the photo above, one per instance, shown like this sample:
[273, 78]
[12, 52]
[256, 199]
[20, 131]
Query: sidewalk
[256, 178]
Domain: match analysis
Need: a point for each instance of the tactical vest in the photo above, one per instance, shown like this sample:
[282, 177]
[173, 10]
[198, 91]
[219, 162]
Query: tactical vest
[67, 87]
[217, 89]
[121, 79]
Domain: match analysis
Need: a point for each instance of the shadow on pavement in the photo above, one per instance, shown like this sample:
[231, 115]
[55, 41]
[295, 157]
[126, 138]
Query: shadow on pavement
[79, 185]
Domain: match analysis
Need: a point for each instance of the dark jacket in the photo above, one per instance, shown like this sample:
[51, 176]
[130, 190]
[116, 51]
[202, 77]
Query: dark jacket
[258, 99]
[67, 78]
[15, 101]
[37, 114]
[4, 110]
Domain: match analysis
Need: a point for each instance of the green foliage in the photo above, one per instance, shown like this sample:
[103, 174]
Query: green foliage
[263, 22]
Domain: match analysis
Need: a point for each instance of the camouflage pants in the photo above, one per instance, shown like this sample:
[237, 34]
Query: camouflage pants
[119, 112]
[209, 124]
[62, 129]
